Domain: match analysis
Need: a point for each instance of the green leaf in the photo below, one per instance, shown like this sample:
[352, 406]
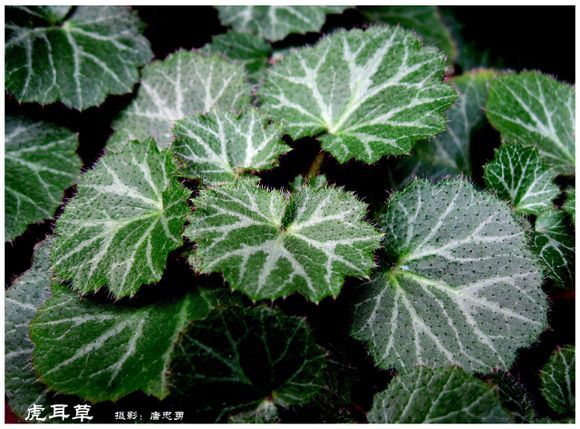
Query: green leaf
[513, 397]
[425, 20]
[22, 300]
[450, 152]
[41, 162]
[558, 379]
[518, 175]
[265, 412]
[275, 22]
[442, 395]
[79, 60]
[127, 216]
[570, 204]
[103, 352]
[365, 93]
[238, 357]
[463, 288]
[555, 247]
[219, 147]
[269, 245]
[536, 110]
[300, 182]
[181, 85]
[250, 50]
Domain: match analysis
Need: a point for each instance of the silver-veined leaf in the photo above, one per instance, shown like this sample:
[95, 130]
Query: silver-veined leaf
[269, 245]
[41, 162]
[518, 175]
[558, 379]
[219, 147]
[127, 216]
[569, 205]
[462, 289]
[536, 110]
[182, 84]
[555, 246]
[513, 397]
[275, 22]
[101, 352]
[441, 395]
[425, 20]
[449, 154]
[238, 358]
[23, 298]
[78, 58]
[366, 94]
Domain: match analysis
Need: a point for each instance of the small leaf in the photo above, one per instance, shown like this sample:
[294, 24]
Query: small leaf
[182, 84]
[570, 203]
[22, 300]
[425, 20]
[79, 60]
[518, 175]
[450, 152]
[238, 358]
[41, 162]
[127, 216]
[555, 246]
[442, 395]
[513, 397]
[301, 182]
[558, 379]
[268, 245]
[275, 22]
[265, 412]
[103, 352]
[463, 290]
[250, 50]
[365, 93]
[219, 147]
[535, 110]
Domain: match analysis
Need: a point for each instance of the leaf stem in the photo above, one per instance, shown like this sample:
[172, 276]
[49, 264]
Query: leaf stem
[314, 169]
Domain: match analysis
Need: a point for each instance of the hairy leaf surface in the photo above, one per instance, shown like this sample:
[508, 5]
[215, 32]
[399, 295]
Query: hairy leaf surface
[518, 175]
[536, 110]
[79, 59]
[365, 93]
[127, 216]
[570, 203]
[425, 20]
[513, 397]
[238, 357]
[41, 162]
[182, 84]
[555, 246]
[22, 300]
[103, 352]
[442, 395]
[558, 380]
[268, 245]
[219, 147]
[463, 289]
[275, 22]
[450, 152]
[250, 50]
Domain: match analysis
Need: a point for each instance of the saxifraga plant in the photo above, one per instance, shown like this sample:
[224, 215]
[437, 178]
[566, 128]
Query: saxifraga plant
[454, 270]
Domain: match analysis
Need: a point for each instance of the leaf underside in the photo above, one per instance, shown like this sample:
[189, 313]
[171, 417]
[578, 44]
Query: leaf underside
[518, 175]
[464, 289]
[269, 246]
[219, 147]
[536, 110]
[127, 216]
[237, 358]
[103, 352]
[93, 53]
[23, 298]
[442, 395]
[181, 85]
[558, 379]
[275, 22]
[366, 94]
[41, 162]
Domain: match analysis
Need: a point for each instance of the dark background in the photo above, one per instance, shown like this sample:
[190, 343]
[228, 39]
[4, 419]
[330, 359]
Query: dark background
[519, 37]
